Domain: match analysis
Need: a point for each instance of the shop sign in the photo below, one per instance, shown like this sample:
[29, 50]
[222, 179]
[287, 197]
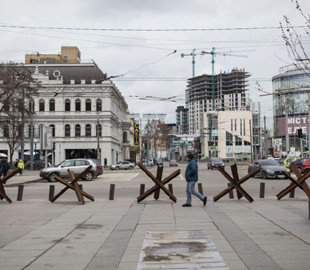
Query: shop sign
[136, 134]
[293, 124]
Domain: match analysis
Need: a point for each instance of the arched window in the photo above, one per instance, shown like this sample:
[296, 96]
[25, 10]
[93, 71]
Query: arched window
[125, 137]
[52, 105]
[88, 130]
[6, 131]
[41, 105]
[77, 130]
[67, 130]
[67, 105]
[100, 130]
[78, 105]
[98, 105]
[88, 105]
[53, 130]
[31, 105]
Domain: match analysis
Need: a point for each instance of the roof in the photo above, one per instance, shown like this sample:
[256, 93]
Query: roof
[68, 72]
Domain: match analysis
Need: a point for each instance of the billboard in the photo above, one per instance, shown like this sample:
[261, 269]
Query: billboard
[293, 124]
[136, 134]
[46, 138]
[277, 146]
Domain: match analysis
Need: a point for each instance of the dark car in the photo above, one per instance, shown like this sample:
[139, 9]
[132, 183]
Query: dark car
[37, 164]
[299, 163]
[215, 162]
[269, 168]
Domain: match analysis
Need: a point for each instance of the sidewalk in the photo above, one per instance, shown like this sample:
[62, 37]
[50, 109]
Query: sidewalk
[26, 177]
[37, 234]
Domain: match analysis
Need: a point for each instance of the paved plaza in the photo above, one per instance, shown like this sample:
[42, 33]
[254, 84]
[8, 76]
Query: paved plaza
[123, 234]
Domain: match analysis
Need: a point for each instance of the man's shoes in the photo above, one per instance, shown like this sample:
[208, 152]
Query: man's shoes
[205, 201]
[187, 205]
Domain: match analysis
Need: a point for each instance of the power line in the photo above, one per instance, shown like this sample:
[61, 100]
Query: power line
[150, 29]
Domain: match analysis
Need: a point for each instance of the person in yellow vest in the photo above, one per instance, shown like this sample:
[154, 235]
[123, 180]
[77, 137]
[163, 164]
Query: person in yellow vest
[21, 166]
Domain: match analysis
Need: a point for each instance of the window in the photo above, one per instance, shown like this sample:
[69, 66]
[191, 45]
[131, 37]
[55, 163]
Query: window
[229, 138]
[78, 105]
[67, 105]
[77, 131]
[31, 105]
[241, 127]
[67, 130]
[65, 59]
[41, 105]
[231, 125]
[125, 137]
[6, 131]
[88, 105]
[98, 105]
[52, 105]
[88, 130]
[235, 124]
[69, 163]
[238, 141]
[81, 163]
[53, 130]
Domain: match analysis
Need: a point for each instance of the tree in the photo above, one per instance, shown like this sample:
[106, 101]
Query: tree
[158, 134]
[17, 88]
[294, 40]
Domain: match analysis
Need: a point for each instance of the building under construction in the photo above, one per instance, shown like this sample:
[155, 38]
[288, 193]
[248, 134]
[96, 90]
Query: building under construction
[230, 94]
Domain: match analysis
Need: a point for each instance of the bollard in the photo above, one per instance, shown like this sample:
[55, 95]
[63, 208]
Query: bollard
[112, 189]
[292, 193]
[142, 188]
[20, 192]
[262, 190]
[51, 192]
[200, 188]
[231, 192]
[170, 187]
[81, 187]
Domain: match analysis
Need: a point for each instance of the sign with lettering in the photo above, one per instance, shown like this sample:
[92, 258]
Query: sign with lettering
[293, 124]
[136, 134]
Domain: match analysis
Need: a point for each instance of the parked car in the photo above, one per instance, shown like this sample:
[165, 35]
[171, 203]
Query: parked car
[158, 161]
[269, 168]
[215, 162]
[76, 166]
[145, 163]
[299, 162]
[37, 164]
[287, 161]
[126, 165]
[173, 163]
[305, 166]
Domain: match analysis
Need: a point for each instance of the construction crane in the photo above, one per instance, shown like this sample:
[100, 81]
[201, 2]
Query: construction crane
[213, 54]
[193, 55]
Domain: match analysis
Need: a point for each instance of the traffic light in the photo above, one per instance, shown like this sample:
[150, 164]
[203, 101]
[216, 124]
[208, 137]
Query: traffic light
[299, 132]
[306, 148]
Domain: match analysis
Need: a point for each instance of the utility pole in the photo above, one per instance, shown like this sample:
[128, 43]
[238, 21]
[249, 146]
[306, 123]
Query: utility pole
[287, 136]
[31, 134]
[98, 145]
[251, 140]
[265, 131]
[193, 55]
[148, 142]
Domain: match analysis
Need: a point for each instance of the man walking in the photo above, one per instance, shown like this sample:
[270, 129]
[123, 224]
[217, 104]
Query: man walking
[5, 166]
[191, 176]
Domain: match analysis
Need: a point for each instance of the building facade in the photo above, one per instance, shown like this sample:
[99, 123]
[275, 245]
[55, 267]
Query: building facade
[227, 134]
[257, 129]
[73, 99]
[182, 120]
[230, 94]
[291, 88]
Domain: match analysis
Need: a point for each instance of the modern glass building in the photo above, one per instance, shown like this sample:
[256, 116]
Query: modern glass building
[290, 108]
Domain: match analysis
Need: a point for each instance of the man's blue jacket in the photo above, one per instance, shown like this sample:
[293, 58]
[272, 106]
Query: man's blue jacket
[191, 172]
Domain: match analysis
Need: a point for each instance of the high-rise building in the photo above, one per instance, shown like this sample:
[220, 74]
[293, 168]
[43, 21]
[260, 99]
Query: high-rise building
[230, 94]
[290, 109]
[182, 120]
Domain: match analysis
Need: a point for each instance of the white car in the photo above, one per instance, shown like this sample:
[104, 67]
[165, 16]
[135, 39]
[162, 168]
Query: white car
[125, 165]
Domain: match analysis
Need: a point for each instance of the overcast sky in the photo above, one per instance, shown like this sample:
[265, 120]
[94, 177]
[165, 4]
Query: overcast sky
[162, 73]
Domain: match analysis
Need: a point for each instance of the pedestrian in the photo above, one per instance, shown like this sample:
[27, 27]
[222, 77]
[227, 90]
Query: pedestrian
[21, 166]
[191, 177]
[5, 166]
[16, 163]
[105, 162]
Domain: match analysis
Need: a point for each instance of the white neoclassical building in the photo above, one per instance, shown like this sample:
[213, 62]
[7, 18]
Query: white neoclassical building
[72, 100]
